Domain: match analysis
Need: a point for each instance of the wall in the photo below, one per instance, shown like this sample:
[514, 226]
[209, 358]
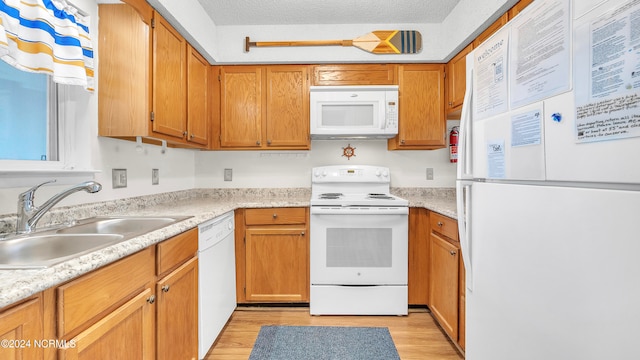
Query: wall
[254, 169]
[225, 44]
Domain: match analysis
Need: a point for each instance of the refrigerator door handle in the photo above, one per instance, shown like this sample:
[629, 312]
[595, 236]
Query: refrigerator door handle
[465, 168]
[463, 198]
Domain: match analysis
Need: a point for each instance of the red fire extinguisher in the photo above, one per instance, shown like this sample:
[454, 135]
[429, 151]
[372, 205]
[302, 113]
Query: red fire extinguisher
[453, 144]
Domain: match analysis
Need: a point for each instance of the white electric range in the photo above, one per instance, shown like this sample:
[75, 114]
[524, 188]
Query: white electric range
[358, 243]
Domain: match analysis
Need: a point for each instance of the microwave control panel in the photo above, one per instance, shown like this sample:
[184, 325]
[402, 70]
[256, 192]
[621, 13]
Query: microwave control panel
[392, 115]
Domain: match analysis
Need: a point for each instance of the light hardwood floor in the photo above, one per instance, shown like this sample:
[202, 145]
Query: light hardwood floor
[416, 336]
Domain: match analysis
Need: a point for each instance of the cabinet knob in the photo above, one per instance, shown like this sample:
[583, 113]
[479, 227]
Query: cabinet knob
[302, 233]
[402, 141]
[165, 288]
[440, 223]
[452, 252]
[258, 142]
[151, 299]
[268, 142]
[184, 133]
[191, 136]
[275, 215]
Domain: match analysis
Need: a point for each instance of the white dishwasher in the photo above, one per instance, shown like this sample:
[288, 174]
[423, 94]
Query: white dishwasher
[216, 278]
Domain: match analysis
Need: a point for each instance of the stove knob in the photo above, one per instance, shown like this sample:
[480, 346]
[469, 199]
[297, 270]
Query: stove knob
[378, 173]
[324, 174]
[385, 174]
[316, 173]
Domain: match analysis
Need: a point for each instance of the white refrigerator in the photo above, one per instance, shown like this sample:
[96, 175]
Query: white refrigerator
[548, 185]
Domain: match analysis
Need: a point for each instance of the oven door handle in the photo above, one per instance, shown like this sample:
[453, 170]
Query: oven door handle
[358, 210]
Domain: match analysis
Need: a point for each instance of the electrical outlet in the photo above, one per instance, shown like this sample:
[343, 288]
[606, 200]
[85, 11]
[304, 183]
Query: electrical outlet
[155, 176]
[228, 174]
[119, 178]
[429, 173]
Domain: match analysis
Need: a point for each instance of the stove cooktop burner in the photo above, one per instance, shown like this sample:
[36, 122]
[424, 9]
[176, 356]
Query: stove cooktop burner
[330, 196]
[380, 196]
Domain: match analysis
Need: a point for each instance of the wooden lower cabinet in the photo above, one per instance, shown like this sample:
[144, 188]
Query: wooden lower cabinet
[444, 284]
[446, 277]
[144, 306]
[177, 313]
[125, 333]
[272, 256]
[20, 324]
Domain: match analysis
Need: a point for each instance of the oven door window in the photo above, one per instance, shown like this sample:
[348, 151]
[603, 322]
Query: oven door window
[368, 248]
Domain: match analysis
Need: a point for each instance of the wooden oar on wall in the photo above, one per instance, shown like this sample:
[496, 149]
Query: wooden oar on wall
[376, 42]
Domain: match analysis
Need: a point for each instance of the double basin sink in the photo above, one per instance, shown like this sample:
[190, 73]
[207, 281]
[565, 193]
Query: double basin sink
[49, 247]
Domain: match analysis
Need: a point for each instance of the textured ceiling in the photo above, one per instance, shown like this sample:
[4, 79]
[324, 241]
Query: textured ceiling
[291, 12]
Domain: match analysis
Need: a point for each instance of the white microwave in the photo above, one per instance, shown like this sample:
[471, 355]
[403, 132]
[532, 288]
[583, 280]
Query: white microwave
[354, 112]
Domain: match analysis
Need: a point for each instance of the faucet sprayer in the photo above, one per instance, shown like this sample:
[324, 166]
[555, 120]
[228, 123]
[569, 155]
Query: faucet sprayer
[29, 214]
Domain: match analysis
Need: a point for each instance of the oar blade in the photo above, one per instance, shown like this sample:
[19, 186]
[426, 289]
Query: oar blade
[390, 42]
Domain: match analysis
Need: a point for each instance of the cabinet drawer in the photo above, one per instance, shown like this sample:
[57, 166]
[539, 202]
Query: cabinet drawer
[273, 216]
[175, 251]
[92, 295]
[444, 225]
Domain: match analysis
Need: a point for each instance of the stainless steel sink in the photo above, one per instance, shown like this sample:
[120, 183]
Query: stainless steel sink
[37, 251]
[46, 248]
[119, 225]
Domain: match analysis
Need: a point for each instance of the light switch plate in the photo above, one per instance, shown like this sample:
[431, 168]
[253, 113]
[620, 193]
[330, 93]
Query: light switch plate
[119, 178]
[429, 173]
[228, 174]
[155, 176]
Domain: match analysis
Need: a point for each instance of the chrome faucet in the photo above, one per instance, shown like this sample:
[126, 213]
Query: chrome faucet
[29, 214]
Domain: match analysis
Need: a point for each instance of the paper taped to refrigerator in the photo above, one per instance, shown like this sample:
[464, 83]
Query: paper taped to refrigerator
[607, 74]
[540, 52]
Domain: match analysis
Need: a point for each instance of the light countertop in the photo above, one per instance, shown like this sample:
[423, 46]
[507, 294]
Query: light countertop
[201, 204]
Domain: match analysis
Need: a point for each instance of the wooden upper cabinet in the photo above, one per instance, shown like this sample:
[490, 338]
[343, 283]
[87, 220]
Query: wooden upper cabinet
[144, 87]
[198, 97]
[517, 8]
[502, 20]
[241, 106]
[169, 79]
[456, 82]
[355, 74]
[124, 72]
[263, 107]
[421, 123]
[287, 106]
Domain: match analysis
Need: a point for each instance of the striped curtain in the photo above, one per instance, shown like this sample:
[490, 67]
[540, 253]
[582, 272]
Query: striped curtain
[47, 36]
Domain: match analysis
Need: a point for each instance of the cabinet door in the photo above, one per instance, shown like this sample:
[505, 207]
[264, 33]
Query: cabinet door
[421, 97]
[241, 106]
[19, 325]
[177, 313]
[124, 96]
[277, 264]
[169, 79]
[126, 333]
[287, 106]
[198, 98]
[443, 295]
[456, 80]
